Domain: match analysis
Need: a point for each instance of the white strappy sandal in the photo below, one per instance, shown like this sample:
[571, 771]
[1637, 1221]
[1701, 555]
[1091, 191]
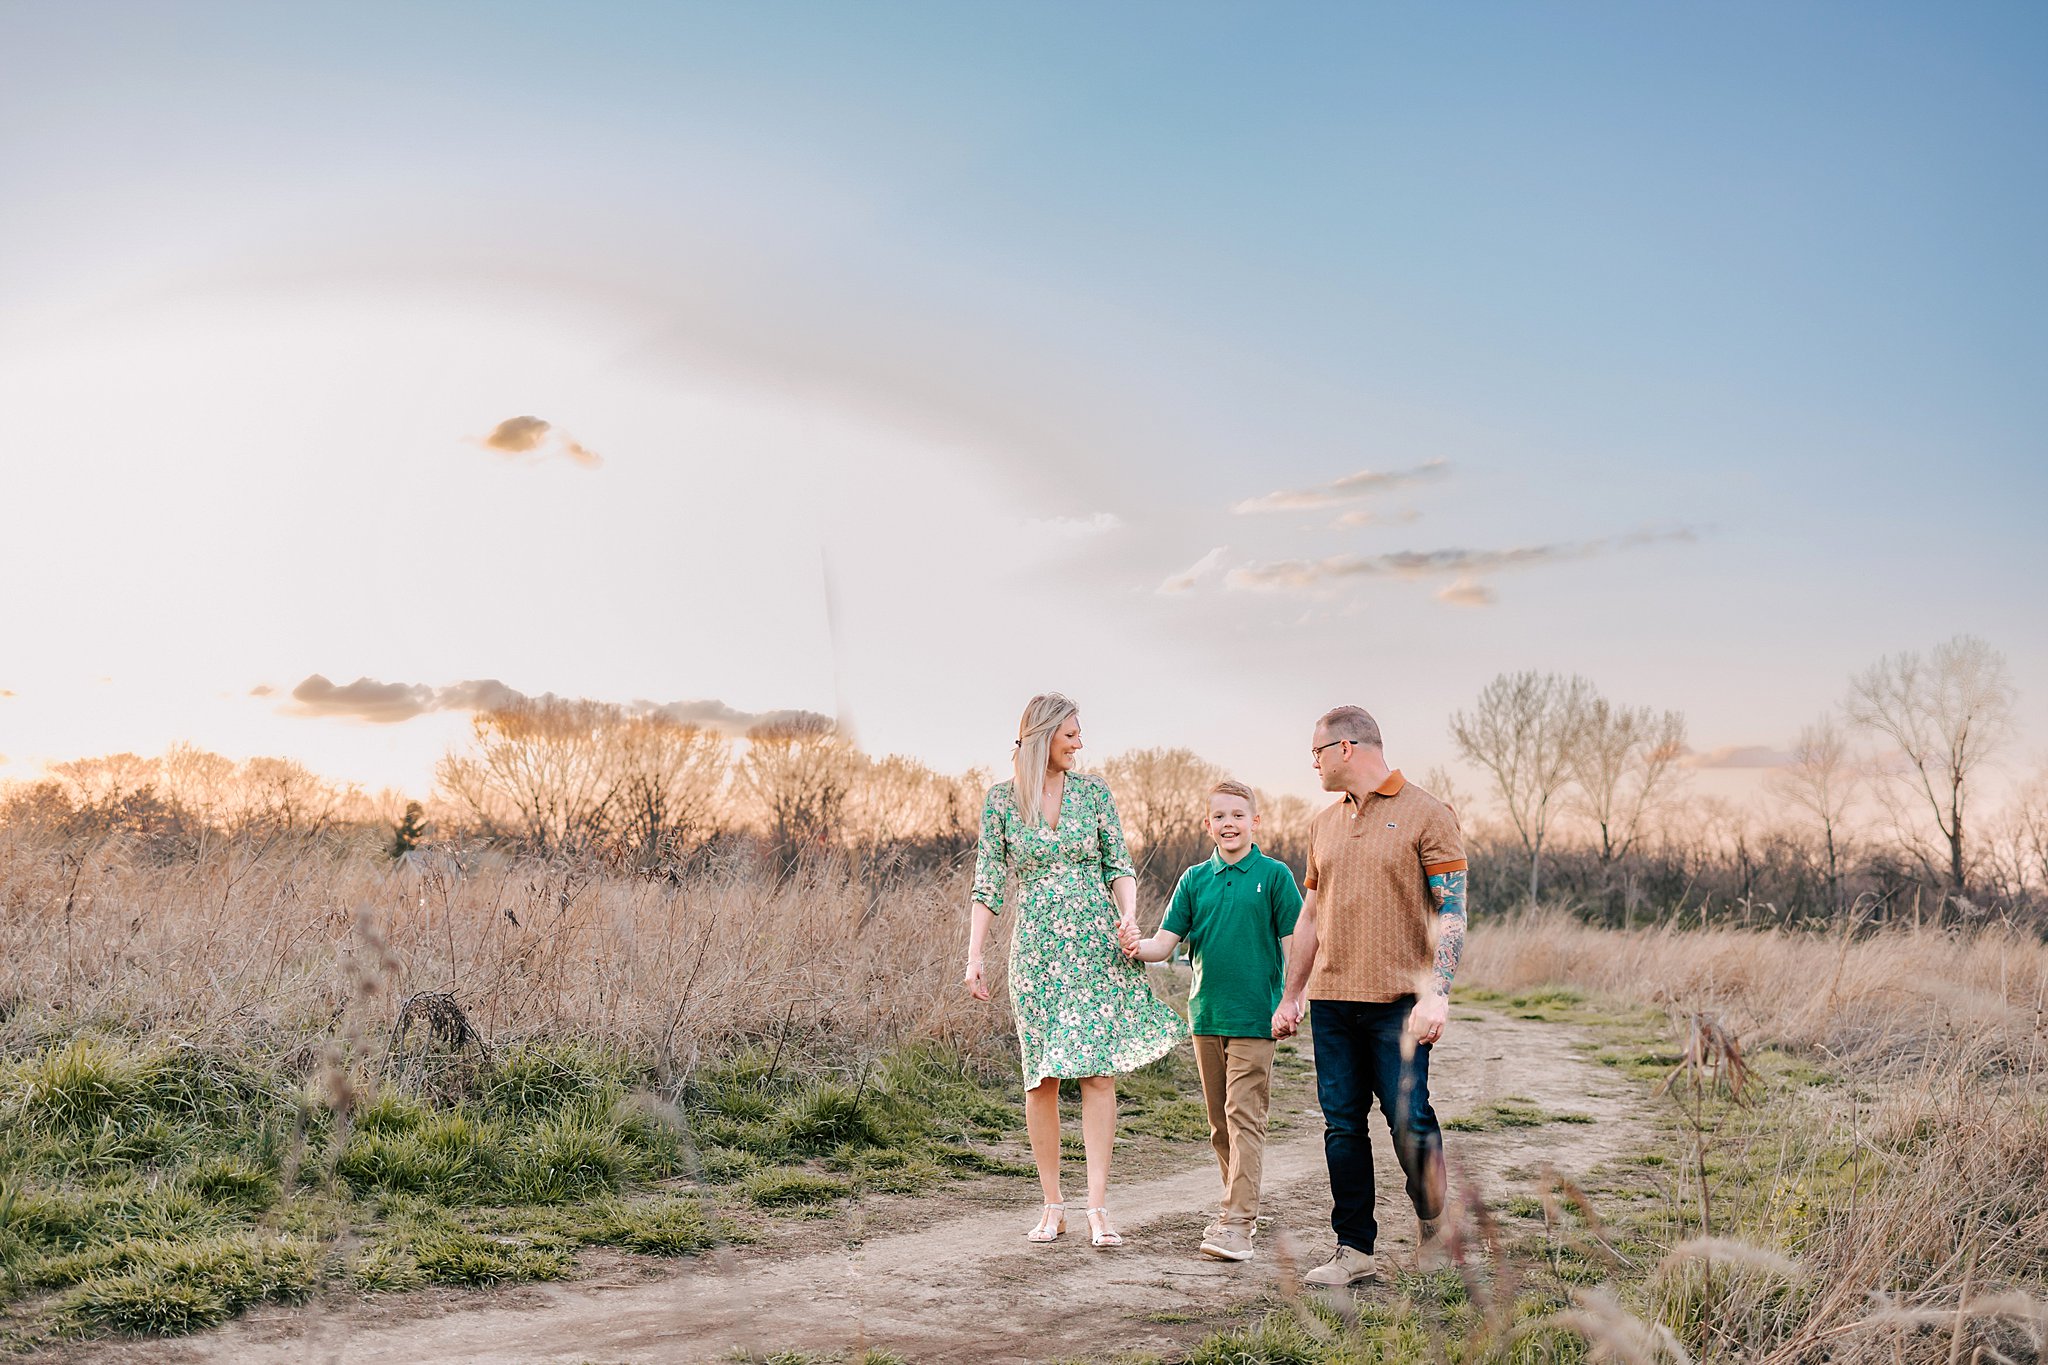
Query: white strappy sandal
[1051, 1223]
[1105, 1235]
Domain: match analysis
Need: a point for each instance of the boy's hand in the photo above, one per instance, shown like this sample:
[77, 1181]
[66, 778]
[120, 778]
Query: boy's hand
[1287, 1019]
[1127, 937]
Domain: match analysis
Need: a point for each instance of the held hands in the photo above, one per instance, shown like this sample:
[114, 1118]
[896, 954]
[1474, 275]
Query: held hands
[1127, 936]
[1287, 1018]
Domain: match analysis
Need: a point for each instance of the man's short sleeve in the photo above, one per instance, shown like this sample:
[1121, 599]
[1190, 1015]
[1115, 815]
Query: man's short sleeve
[1311, 882]
[1442, 845]
[1180, 911]
[1285, 898]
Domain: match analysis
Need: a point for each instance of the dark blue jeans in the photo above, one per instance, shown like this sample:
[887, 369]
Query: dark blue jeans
[1358, 1060]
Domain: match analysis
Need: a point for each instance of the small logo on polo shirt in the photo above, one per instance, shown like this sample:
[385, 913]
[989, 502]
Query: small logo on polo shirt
[1258, 887]
[1392, 825]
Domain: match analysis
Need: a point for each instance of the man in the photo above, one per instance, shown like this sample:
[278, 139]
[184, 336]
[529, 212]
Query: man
[1375, 948]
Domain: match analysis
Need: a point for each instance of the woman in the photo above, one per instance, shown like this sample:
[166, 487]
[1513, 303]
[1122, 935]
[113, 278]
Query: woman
[1083, 1009]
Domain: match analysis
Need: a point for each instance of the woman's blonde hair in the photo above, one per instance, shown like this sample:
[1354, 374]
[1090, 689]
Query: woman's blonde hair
[1044, 714]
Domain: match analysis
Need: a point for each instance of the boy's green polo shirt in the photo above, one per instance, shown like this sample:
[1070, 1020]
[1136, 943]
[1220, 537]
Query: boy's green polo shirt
[1231, 917]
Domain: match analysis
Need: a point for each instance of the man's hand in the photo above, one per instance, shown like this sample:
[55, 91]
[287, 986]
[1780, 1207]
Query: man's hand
[1426, 1021]
[1287, 1018]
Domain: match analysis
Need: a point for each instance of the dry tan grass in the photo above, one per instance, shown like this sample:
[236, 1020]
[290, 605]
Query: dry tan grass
[1911, 1195]
[264, 948]
[1895, 999]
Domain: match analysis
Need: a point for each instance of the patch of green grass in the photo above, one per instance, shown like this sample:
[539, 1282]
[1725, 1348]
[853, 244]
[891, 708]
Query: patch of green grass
[162, 1289]
[1180, 1120]
[1513, 1112]
[138, 1182]
[788, 1189]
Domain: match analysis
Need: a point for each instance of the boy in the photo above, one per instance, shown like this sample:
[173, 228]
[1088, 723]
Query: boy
[1236, 911]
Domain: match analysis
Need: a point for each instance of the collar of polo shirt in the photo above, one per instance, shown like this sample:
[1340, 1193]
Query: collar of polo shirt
[1216, 863]
[1391, 787]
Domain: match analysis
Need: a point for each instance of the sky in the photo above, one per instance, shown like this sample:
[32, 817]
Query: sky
[1212, 363]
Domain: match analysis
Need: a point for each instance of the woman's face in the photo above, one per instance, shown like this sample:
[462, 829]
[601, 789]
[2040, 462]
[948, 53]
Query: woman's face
[1065, 744]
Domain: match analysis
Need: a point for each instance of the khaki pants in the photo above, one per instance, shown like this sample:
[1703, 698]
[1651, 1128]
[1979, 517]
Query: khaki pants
[1237, 1082]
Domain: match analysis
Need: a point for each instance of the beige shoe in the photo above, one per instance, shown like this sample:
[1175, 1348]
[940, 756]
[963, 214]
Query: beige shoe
[1347, 1265]
[1431, 1253]
[1228, 1242]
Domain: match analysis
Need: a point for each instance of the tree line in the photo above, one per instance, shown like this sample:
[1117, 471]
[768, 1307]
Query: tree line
[1875, 811]
[1877, 807]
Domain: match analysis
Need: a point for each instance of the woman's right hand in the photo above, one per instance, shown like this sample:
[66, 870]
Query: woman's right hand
[974, 981]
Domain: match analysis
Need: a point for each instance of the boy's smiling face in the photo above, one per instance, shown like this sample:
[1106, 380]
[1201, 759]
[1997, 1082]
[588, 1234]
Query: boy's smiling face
[1231, 823]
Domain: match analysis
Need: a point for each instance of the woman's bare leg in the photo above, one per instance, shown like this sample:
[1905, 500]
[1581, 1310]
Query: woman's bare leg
[1042, 1122]
[1098, 1134]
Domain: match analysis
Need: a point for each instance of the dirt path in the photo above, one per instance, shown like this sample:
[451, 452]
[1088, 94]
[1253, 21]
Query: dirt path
[969, 1288]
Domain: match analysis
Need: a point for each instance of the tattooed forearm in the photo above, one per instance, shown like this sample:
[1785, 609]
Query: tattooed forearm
[1449, 890]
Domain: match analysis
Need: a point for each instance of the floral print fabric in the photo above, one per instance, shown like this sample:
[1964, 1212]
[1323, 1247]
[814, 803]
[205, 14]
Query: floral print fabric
[1082, 1007]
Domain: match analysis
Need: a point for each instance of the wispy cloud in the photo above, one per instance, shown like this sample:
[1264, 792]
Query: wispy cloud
[385, 703]
[1337, 492]
[537, 436]
[1195, 572]
[1365, 516]
[1077, 528]
[1738, 756]
[1466, 593]
[363, 699]
[1282, 575]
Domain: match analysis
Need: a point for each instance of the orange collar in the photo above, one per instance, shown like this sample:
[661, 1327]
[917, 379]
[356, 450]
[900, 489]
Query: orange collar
[1391, 787]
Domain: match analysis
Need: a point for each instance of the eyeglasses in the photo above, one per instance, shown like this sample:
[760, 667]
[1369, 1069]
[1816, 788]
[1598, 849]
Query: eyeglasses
[1315, 755]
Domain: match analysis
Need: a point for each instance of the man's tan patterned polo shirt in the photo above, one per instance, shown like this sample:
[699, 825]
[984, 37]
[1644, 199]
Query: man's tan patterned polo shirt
[1369, 864]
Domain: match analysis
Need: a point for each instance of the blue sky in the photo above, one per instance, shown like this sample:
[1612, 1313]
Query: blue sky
[1728, 318]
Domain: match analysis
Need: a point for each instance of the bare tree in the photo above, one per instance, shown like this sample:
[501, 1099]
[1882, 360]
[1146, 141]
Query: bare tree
[1948, 713]
[667, 778]
[1524, 731]
[282, 795]
[1820, 783]
[799, 774]
[1162, 795]
[1624, 763]
[201, 784]
[537, 771]
[108, 781]
[900, 801]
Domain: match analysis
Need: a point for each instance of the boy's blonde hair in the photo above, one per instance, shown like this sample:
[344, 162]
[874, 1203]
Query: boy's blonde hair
[1230, 786]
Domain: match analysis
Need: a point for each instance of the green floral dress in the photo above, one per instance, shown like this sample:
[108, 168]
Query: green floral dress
[1083, 1008]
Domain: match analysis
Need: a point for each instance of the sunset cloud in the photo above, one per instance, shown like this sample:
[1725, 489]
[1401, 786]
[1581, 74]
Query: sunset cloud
[1296, 574]
[1337, 492]
[1195, 572]
[537, 436]
[1365, 516]
[481, 694]
[385, 703]
[1466, 593]
[363, 699]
